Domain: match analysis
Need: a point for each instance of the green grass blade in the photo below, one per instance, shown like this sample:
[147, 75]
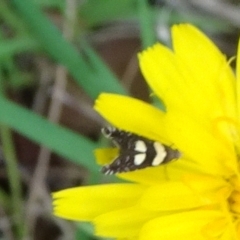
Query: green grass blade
[58, 139]
[14, 179]
[57, 4]
[17, 45]
[97, 12]
[11, 19]
[147, 26]
[62, 51]
[84, 232]
[105, 75]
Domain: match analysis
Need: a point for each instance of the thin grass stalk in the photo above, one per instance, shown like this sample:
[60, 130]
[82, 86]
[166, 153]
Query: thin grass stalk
[13, 174]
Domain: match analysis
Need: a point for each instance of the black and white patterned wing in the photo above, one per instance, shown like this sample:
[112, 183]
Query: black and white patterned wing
[136, 152]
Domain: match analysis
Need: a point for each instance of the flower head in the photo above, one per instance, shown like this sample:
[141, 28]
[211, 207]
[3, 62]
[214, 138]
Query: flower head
[195, 197]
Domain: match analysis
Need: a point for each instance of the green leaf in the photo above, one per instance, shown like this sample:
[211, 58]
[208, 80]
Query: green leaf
[147, 25]
[17, 45]
[58, 139]
[62, 51]
[85, 231]
[97, 12]
[59, 4]
[108, 78]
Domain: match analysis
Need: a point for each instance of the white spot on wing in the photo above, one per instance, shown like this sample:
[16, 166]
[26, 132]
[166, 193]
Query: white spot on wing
[139, 158]
[140, 146]
[160, 154]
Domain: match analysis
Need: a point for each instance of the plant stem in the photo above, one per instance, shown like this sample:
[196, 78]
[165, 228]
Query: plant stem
[13, 178]
[13, 173]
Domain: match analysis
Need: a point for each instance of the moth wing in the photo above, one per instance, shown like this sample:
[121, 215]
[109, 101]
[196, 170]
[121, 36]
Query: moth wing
[125, 162]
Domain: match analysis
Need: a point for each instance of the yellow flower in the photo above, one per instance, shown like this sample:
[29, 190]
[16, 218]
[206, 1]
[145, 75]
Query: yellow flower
[197, 196]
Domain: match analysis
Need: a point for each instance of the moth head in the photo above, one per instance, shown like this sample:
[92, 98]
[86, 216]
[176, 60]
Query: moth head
[108, 131]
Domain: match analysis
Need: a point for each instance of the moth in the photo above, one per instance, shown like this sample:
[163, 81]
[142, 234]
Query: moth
[136, 152]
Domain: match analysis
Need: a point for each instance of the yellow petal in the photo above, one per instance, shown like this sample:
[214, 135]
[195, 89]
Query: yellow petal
[176, 195]
[105, 155]
[182, 81]
[184, 225]
[238, 227]
[198, 144]
[132, 115]
[216, 228]
[238, 79]
[164, 75]
[229, 233]
[85, 203]
[128, 238]
[159, 68]
[122, 223]
[207, 70]
[154, 175]
[147, 176]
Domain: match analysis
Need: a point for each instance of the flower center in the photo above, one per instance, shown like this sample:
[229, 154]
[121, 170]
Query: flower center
[234, 199]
